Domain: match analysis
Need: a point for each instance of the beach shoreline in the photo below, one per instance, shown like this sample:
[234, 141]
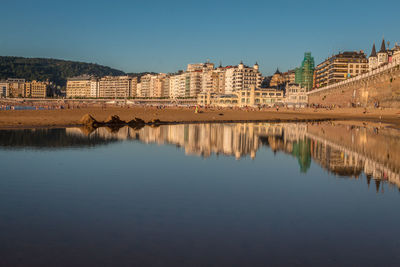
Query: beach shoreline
[12, 119]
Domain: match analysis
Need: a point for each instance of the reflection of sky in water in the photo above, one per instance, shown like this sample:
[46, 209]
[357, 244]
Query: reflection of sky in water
[132, 203]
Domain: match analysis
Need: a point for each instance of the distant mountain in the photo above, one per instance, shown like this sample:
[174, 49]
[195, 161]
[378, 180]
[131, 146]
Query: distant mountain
[54, 70]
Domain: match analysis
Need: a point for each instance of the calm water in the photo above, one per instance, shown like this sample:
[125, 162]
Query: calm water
[201, 195]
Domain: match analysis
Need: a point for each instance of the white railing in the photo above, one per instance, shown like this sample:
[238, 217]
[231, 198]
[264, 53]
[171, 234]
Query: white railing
[357, 78]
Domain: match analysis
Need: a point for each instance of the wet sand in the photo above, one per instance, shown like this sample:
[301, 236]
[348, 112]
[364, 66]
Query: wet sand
[71, 117]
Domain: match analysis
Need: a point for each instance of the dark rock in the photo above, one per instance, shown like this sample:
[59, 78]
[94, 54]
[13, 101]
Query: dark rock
[139, 121]
[155, 121]
[114, 120]
[136, 121]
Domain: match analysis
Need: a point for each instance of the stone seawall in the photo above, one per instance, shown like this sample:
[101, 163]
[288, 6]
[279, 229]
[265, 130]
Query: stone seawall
[383, 87]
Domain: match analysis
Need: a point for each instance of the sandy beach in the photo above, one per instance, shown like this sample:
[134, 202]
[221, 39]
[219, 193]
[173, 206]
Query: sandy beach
[71, 117]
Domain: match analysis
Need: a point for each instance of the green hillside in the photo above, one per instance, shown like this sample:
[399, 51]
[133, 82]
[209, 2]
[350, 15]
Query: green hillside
[53, 69]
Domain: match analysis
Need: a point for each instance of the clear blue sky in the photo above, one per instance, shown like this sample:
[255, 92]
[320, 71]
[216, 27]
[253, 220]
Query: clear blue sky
[164, 36]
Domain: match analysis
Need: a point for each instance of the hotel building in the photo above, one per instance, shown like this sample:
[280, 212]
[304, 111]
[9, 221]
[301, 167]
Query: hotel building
[340, 67]
[241, 77]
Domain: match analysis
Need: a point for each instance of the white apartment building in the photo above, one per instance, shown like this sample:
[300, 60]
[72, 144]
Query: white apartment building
[207, 81]
[241, 77]
[178, 85]
[145, 81]
[165, 86]
[133, 89]
[195, 83]
[94, 88]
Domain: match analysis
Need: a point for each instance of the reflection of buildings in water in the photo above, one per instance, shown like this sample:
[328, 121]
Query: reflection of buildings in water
[334, 160]
[291, 139]
[362, 152]
[303, 141]
[53, 138]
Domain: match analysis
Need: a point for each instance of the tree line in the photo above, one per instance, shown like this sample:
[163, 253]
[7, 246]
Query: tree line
[54, 70]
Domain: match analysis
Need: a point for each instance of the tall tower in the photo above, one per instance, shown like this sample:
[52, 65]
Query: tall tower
[373, 59]
[382, 54]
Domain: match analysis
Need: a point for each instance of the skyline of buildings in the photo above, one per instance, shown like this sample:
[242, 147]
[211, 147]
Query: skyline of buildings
[16, 87]
[198, 78]
[205, 78]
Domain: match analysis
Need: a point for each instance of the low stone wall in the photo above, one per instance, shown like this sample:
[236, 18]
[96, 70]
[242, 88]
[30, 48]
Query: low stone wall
[383, 88]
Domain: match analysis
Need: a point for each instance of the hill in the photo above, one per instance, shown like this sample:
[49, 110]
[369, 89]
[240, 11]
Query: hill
[53, 69]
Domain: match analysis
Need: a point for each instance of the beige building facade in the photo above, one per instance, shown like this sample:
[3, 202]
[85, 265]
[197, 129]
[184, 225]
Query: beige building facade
[16, 87]
[252, 97]
[295, 96]
[154, 86]
[133, 87]
[340, 67]
[36, 89]
[396, 56]
[115, 87]
[79, 87]
[145, 83]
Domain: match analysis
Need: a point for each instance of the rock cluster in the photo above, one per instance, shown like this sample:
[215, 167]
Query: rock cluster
[114, 121]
